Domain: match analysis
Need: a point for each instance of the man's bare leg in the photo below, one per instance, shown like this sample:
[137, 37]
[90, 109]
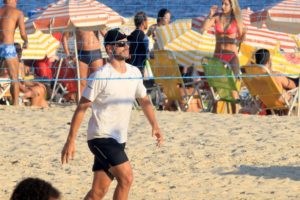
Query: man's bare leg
[13, 70]
[124, 176]
[100, 186]
[83, 68]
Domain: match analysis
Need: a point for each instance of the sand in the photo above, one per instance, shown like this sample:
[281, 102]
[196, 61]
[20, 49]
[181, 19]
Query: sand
[205, 156]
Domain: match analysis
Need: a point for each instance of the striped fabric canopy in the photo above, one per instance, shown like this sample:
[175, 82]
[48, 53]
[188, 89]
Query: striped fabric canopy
[188, 45]
[284, 17]
[67, 14]
[40, 45]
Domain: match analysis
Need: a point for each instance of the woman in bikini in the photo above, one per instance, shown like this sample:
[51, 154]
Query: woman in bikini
[229, 31]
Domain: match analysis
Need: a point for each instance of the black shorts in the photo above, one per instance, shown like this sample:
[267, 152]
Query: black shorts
[89, 56]
[108, 153]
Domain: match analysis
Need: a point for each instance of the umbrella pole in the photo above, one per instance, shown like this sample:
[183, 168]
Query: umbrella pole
[77, 67]
[56, 80]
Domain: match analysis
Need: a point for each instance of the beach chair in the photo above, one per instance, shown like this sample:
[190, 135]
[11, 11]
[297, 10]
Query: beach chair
[222, 82]
[263, 86]
[4, 90]
[169, 79]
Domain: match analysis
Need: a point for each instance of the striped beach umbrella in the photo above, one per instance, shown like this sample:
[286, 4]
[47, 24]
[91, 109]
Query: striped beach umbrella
[65, 15]
[266, 38]
[40, 45]
[283, 16]
[188, 45]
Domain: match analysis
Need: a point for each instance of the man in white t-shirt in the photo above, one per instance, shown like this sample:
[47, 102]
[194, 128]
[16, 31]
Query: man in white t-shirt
[110, 93]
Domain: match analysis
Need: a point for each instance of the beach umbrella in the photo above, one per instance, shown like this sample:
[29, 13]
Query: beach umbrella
[40, 45]
[188, 45]
[283, 16]
[266, 38]
[68, 15]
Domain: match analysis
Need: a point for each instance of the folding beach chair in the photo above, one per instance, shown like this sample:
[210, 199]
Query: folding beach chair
[263, 86]
[169, 79]
[222, 82]
[4, 90]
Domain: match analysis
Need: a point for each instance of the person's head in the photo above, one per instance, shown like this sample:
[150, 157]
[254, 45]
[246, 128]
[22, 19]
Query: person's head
[35, 189]
[263, 57]
[163, 17]
[232, 7]
[140, 20]
[116, 44]
[18, 50]
[11, 2]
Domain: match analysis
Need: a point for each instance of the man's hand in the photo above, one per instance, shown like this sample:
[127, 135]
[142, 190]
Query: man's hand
[25, 45]
[159, 136]
[68, 152]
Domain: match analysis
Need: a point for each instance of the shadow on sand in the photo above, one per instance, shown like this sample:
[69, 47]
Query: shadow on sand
[272, 172]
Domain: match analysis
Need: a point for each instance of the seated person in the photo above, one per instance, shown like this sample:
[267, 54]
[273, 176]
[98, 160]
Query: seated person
[262, 57]
[34, 91]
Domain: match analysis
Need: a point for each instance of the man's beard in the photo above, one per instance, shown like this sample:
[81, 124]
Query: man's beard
[119, 57]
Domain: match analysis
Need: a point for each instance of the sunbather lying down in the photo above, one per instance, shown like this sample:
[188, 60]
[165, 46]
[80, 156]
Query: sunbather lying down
[36, 92]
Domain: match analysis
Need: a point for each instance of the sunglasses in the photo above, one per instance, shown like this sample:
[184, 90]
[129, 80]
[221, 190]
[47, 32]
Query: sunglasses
[121, 43]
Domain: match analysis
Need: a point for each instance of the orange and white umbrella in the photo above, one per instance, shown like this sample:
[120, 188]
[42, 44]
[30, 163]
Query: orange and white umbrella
[283, 17]
[66, 15]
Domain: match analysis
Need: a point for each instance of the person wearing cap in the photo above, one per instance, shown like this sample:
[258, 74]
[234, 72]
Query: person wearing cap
[110, 92]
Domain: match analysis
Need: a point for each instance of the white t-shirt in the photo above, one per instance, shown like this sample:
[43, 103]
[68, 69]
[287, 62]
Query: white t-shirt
[112, 101]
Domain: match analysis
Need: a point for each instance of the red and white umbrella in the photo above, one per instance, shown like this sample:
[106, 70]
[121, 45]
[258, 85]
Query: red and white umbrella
[257, 37]
[66, 15]
[283, 17]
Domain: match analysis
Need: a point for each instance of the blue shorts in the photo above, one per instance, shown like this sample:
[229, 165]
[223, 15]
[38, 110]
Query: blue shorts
[7, 51]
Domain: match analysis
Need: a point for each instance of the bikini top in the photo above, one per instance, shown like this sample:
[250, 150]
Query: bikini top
[231, 29]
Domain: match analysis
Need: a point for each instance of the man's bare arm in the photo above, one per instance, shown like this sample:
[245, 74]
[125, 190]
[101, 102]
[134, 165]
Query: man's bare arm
[65, 39]
[69, 147]
[148, 111]
[23, 33]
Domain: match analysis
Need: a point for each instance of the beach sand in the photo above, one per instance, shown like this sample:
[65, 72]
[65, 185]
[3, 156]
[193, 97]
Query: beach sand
[205, 156]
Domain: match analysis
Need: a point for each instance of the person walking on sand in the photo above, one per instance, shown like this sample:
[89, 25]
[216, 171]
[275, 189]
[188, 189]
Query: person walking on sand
[10, 19]
[111, 102]
[89, 52]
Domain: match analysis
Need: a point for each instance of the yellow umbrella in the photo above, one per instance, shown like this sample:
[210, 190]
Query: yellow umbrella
[40, 45]
[188, 45]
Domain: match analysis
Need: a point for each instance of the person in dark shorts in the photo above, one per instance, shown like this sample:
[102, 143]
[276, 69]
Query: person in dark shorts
[111, 102]
[89, 52]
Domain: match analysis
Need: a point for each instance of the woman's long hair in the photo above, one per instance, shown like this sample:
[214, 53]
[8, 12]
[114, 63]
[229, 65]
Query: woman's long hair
[237, 14]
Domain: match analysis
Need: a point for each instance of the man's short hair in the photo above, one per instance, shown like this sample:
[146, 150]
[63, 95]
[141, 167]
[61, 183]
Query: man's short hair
[34, 189]
[262, 56]
[139, 19]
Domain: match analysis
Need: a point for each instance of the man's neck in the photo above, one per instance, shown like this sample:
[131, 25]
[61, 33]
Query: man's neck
[119, 65]
[142, 28]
